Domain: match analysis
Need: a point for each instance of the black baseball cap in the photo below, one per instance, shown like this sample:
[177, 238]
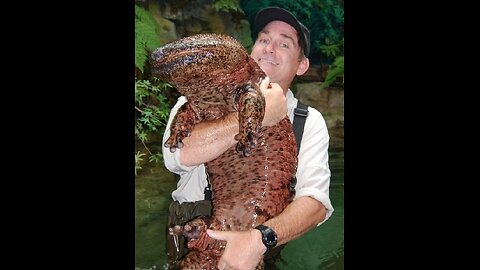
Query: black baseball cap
[266, 15]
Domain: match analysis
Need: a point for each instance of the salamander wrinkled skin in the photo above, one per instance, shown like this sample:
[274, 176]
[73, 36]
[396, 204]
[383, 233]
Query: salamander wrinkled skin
[252, 181]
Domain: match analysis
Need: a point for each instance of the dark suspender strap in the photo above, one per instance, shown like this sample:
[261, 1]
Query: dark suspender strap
[208, 190]
[300, 116]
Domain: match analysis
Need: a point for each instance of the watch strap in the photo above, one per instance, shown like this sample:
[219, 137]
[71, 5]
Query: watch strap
[269, 237]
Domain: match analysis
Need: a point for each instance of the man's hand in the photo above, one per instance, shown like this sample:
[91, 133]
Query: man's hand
[275, 102]
[243, 251]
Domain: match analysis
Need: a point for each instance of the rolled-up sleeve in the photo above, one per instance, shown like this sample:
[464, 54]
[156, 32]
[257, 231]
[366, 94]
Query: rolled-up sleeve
[172, 160]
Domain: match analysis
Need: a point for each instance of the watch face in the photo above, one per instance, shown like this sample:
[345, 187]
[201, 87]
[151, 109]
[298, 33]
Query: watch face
[270, 238]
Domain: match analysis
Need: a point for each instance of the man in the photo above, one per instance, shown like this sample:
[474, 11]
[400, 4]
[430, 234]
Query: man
[281, 50]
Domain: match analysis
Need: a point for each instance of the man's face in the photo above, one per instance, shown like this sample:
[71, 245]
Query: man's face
[277, 52]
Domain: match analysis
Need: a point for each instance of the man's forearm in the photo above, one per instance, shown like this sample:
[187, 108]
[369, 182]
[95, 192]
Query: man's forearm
[300, 216]
[209, 140]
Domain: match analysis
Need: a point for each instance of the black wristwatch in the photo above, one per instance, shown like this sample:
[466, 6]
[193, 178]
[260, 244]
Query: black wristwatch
[269, 237]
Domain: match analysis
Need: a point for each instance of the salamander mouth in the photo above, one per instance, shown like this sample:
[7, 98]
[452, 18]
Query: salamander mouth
[163, 56]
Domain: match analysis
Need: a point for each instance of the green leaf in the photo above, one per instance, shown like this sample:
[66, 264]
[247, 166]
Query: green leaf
[146, 38]
[335, 71]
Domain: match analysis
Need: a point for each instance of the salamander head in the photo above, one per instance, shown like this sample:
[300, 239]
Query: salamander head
[197, 58]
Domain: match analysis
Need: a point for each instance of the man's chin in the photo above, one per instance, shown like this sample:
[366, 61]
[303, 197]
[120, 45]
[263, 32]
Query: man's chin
[267, 68]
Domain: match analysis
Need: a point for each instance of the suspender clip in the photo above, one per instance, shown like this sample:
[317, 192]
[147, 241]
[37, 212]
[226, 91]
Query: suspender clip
[301, 112]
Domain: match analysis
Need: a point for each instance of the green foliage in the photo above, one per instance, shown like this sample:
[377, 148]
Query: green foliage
[326, 25]
[152, 111]
[151, 105]
[138, 159]
[227, 5]
[336, 70]
[332, 50]
[146, 38]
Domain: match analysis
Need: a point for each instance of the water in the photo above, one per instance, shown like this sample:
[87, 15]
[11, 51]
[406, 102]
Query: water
[153, 186]
[320, 248]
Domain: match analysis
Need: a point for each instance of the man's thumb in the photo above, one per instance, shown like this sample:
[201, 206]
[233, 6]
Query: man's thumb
[218, 235]
[265, 82]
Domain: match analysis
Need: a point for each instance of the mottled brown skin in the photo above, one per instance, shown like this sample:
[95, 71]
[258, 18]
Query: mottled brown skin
[218, 77]
[251, 182]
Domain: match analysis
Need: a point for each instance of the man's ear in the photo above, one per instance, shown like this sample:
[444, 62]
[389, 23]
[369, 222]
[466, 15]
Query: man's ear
[303, 67]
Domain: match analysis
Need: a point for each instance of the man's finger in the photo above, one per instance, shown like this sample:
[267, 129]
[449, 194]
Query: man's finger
[218, 235]
[265, 82]
[221, 265]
